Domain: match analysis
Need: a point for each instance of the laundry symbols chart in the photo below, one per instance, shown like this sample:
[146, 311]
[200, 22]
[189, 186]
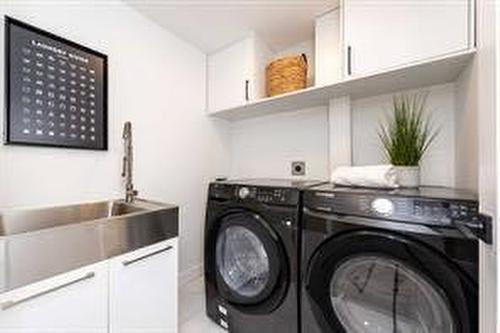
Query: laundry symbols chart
[56, 90]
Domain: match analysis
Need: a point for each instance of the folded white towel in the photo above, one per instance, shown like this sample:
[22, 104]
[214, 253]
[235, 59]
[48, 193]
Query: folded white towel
[377, 176]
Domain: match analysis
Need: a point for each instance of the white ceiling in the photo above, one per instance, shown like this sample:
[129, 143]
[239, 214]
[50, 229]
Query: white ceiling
[213, 24]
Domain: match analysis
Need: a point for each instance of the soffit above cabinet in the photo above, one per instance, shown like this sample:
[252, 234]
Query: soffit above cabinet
[213, 24]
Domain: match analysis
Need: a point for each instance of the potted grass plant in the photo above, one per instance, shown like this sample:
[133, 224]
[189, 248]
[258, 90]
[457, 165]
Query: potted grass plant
[406, 136]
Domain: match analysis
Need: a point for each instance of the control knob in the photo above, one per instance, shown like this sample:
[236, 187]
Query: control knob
[243, 192]
[383, 206]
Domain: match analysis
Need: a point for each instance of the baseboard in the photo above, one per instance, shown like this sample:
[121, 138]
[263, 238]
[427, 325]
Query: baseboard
[190, 274]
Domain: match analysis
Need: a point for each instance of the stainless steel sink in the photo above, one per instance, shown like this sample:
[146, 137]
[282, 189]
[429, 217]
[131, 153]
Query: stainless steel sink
[20, 221]
[40, 243]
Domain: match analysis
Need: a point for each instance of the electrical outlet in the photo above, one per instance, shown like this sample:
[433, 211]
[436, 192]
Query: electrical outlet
[298, 168]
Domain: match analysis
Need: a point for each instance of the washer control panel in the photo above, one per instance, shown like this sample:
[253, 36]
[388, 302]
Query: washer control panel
[261, 194]
[268, 195]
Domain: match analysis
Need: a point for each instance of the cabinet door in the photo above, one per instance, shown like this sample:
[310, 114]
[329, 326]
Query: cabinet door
[328, 52]
[143, 290]
[229, 75]
[383, 34]
[73, 302]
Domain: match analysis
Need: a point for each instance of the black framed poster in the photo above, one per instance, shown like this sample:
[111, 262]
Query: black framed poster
[56, 90]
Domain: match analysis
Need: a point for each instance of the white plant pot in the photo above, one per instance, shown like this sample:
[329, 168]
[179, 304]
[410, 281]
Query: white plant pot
[408, 176]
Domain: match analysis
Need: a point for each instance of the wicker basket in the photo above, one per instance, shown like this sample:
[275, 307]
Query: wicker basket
[286, 74]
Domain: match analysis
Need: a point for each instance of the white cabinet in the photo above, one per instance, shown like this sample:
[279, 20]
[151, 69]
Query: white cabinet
[134, 292]
[75, 302]
[328, 49]
[143, 290]
[383, 34]
[236, 74]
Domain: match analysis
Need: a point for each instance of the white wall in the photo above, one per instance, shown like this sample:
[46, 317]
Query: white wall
[438, 165]
[266, 146]
[157, 81]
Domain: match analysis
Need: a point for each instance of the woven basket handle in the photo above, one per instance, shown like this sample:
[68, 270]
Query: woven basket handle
[304, 57]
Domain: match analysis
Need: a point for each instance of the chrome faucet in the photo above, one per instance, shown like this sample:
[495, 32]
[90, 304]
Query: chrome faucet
[130, 192]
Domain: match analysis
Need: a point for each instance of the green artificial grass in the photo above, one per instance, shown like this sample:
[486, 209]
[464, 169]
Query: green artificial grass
[407, 135]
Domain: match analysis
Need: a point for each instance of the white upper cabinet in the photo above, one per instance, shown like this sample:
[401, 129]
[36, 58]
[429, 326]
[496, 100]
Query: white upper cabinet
[382, 34]
[143, 290]
[75, 302]
[328, 48]
[236, 74]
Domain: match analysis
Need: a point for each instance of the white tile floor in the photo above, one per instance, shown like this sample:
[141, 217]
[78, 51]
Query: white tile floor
[192, 317]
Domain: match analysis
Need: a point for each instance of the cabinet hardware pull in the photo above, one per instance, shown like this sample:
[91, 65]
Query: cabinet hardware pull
[12, 303]
[349, 60]
[133, 261]
[247, 93]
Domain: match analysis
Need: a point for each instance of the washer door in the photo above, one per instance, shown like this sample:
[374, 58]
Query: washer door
[248, 259]
[376, 294]
[377, 282]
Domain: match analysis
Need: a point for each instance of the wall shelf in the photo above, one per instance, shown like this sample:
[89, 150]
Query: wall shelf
[435, 71]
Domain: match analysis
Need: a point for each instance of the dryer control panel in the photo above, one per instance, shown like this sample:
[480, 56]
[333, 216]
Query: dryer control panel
[429, 211]
[424, 211]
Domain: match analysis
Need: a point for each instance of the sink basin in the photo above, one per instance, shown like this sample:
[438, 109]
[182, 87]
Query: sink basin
[39, 243]
[20, 221]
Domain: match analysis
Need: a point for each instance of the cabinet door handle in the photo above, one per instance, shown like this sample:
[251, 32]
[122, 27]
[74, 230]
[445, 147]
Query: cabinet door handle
[12, 303]
[247, 92]
[349, 60]
[133, 261]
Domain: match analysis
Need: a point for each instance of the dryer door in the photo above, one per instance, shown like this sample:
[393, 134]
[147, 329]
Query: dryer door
[249, 259]
[373, 281]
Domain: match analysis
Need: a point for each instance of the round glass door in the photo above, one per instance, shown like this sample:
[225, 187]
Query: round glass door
[377, 294]
[242, 261]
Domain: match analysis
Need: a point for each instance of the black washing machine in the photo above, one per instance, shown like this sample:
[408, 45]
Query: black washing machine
[390, 261]
[252, 255]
